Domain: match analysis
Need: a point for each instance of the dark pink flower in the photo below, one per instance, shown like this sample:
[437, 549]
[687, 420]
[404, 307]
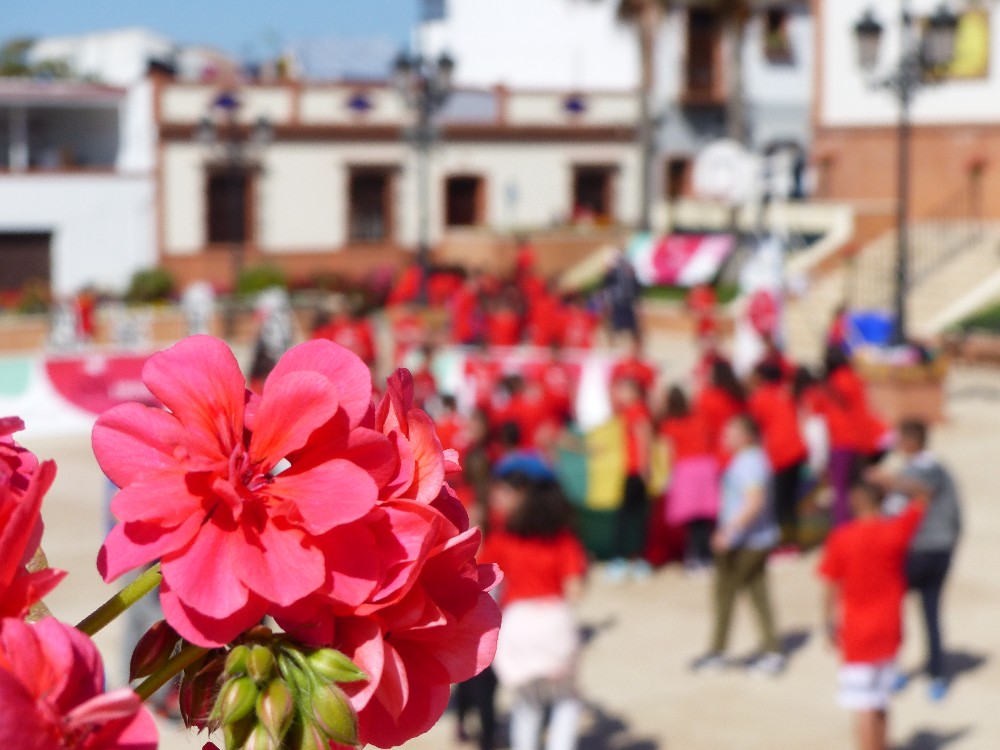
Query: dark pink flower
[420, 468]
[52, 694]
[234, 492]
[20, 536]
[442, 632]
[17, 464]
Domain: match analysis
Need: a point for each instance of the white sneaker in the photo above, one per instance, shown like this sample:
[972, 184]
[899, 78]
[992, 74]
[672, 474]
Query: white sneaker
[770, 665]
[711, 662]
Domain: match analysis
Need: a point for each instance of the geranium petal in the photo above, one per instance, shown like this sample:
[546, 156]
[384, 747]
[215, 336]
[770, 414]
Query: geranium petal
[340, 366]
[353, 569]
[200, 381]
[210, 632]
[164, 499]
[131, 440]
[327, 495]
[428, 457]
[131, 545]
[278, 565]
[21, 724]
[204, 573]
[291, 409]
[373, 452]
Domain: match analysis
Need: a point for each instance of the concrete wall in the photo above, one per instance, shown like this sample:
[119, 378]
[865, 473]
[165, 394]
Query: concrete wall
[101, 225]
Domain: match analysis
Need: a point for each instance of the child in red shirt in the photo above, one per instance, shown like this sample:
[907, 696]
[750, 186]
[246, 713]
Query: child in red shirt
[863, 564]
[543, 566]
[693, 494]
[773, 408]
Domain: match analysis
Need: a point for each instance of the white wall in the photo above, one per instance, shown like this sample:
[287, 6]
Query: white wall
[563, 44]
[117, 57]
[302, 188]
[102, 225]
[769, 84]
[848, 99]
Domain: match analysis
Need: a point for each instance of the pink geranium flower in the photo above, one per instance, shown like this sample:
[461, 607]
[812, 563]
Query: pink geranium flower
[442, 632]
[20, 536]
[17, 464]
[235, 493]
[52, 694]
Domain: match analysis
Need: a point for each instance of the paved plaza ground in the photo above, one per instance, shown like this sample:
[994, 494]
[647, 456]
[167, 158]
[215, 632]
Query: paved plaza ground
[635, 678]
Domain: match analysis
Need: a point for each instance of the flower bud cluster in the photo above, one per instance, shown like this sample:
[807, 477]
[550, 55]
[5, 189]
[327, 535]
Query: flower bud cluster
[274, 694]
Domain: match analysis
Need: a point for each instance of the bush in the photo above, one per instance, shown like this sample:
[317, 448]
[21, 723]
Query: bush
[987, 319]
[255, 280]
[150, 285]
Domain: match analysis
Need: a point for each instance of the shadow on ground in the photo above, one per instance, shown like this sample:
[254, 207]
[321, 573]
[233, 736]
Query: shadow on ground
[603, 731]
[925, 740]
[957, 664]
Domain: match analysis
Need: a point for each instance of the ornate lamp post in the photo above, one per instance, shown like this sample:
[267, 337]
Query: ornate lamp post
[235, 152]
[923, 53]
[425, 86]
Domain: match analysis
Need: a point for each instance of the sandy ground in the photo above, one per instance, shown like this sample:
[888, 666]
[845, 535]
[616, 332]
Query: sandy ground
[635, 678]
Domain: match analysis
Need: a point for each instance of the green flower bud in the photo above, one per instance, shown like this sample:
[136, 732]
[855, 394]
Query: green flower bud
[276, 709]
[311, 738]
[333, 666]
[334, 714]
[259, 663]
[293, 675]
[236, 701]
[235, 735]
[236, 661]
[260, 739]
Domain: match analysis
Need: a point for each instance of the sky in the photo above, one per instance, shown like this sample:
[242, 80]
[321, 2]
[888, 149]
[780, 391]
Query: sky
[365, 33]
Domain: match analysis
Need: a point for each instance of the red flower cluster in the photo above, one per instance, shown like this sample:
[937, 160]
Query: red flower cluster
[23, 484]
[51, 693]
[310, 504]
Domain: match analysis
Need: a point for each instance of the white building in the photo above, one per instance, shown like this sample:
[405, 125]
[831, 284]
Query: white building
[580, 45]
[76, 164]
[336, 188]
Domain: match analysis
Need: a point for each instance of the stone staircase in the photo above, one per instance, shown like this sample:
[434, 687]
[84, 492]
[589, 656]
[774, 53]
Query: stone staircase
[950, 265]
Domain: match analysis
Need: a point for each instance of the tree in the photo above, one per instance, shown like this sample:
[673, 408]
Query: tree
[645, 16]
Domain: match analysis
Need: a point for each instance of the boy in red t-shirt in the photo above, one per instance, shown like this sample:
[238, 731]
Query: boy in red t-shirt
[863, 564]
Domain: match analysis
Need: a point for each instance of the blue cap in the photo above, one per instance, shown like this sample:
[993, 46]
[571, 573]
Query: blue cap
[528, 463]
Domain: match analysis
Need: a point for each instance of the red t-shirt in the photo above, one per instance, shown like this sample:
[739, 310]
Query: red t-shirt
[774, 411]
[534, 567]
[688, 437]
[865, 559]
[634, 417]
[716, 407]
[503, 328]
[578, 328]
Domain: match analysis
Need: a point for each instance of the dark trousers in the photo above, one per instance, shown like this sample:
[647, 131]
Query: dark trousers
[630, 521]
[926, 573]
[787, 486]
[479, 692]
[740, 570]
[700, 540]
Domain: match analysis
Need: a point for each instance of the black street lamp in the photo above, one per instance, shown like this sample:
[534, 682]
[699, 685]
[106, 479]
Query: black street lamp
[425, 86]
[924, 52]
[237, 153]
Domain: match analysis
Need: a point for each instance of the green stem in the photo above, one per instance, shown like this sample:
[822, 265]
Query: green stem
[116, 605]
[180, 661]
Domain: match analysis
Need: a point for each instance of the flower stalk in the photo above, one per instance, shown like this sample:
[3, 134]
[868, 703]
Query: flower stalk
[184, 658]
[116, 605]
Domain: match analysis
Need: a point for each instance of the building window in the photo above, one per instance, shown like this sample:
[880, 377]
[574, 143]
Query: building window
[228, 206]
[704, 37]
[678, 178]
[777, 42]
[26, 260]
[592, 193]
[370, 204]
[464, 201]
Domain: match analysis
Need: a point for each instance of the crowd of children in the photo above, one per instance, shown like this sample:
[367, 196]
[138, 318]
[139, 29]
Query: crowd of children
[746, 458]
